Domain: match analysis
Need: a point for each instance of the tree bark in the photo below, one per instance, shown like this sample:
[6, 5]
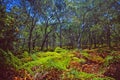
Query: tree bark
[34, 20]
[108, 37]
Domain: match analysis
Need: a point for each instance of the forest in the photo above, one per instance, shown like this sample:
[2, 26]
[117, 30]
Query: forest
[59, 39]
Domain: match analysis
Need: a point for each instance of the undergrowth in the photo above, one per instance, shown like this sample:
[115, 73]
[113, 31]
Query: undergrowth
[72, 65]
[9, 59]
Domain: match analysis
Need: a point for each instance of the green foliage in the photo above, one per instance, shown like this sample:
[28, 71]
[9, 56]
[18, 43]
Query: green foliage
[25, 54]
[116, 57]
[74, 74]
[13, 60]
[108, 60]
[60, 50]
[10, 59]
[48, 60]
[47, 54]
[81, 60]
[85, 54]
[106, 78]
[96, 58]
[7, 30]
[96, 29]
[84, 75]
[27, 59]
[111, 58]
[34, 57]
[60, 63]
[93, 57]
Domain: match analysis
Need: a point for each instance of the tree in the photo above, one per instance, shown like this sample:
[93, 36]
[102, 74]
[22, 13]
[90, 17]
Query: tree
[8, 33]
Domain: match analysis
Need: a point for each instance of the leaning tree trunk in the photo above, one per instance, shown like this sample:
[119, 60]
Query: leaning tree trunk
[43, 43]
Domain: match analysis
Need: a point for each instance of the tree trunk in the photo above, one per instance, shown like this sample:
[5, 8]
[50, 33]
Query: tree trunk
[90, 40]
[108, 37]
[43, 43]
[30, 42]
[34, 20]
[79, 42]
[33, 45]
[47, 43]
[53, 41]
[95, 41]
[30, 37]
[60, 36]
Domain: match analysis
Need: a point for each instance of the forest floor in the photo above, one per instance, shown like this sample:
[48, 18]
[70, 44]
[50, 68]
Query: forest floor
[62, 64]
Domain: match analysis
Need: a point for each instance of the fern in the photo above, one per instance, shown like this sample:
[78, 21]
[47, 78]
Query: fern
[10, 59]
[48, 60]
[74, 74]
[106, 78]
[25, 54]
[60, 50]
[108, 60]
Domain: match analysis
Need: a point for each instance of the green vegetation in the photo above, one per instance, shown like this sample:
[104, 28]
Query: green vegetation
[66, 63]
[10, 59]
[59, 39]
